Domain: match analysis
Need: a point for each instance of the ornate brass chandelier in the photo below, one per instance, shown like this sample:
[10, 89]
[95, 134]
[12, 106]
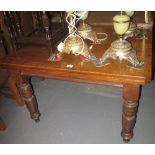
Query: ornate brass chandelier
[121, 48]
[75, 43]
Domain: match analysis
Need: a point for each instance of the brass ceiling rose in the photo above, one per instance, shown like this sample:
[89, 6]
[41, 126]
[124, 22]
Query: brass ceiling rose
[73, 44]
[122, 45]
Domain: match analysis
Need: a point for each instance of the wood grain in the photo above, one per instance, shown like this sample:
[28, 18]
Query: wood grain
[35, 62]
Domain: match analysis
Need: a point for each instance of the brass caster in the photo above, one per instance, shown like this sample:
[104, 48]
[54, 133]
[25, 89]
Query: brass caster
[126, 137]
[37, 120]
[36, 116]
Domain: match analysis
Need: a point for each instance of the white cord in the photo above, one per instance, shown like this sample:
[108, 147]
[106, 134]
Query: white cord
[72, 29]
[71, 24]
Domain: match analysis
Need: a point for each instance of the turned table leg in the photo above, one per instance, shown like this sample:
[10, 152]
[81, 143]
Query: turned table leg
[131, 95]
[27, 94]
[30, 100]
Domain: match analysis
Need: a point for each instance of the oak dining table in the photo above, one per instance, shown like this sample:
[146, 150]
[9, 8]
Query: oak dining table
[31, 63]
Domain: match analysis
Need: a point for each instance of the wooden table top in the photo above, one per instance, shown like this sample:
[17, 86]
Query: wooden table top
[36, 63]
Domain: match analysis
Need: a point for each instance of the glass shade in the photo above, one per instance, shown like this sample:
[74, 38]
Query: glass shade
[84, 14]
[121, 24]
[129, 13]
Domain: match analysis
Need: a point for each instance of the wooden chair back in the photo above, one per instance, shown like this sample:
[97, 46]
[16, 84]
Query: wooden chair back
[42, 24]
[8, 88]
